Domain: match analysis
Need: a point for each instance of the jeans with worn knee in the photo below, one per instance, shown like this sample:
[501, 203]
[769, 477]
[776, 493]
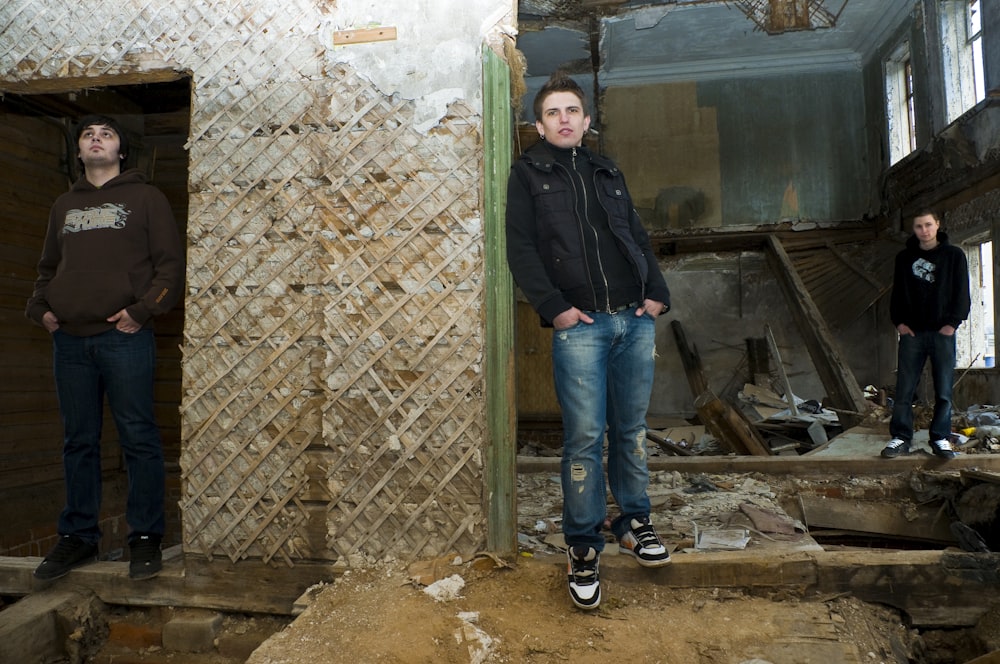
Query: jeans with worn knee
[603, 379]
[914, 351]
[120, 366]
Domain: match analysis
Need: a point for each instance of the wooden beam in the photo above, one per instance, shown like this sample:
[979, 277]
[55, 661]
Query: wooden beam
[934, 588]
[42, 626]
[729, 425]
[668, 444]
[690, 360]
[501, 444]
[799, 466]
[186, 581]
[841, 385]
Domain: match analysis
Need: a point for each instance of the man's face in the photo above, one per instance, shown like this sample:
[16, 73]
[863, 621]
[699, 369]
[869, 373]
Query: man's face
[99, 146]
[925, 227]
[563, 122]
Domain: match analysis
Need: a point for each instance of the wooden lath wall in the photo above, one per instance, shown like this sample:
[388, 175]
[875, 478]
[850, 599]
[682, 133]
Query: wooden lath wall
[332, 354]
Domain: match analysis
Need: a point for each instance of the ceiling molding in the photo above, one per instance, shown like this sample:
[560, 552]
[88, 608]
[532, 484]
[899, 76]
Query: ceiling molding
[733, 68]
[869, 41]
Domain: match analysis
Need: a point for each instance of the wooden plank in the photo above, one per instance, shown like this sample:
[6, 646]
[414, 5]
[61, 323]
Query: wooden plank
[823, 467]
[37, 628]
[854, 267]
[501, 443]
[776, 354]
[840, 383]
[186, 581]
[919, 523]
[981, 475]
[343, 37]
[666, 444]
[934, 588]
[729, 425]
[690, 360]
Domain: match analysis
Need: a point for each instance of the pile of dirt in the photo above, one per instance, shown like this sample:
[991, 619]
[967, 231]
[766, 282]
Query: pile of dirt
[522, 613]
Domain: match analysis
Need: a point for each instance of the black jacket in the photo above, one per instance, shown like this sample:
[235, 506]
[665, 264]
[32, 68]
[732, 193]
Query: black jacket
[548, 235]
[930, 289]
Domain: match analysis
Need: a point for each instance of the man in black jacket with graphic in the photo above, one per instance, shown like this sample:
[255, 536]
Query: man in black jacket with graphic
[930, 299]
[578, 251]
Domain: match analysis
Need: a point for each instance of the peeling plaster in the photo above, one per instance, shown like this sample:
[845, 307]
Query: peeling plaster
[427, 62]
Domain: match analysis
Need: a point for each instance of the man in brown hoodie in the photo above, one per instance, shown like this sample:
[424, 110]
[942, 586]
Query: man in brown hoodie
[112, 260]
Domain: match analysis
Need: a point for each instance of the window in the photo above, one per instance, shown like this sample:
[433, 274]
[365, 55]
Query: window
[962, 54]
[899, 104]
[986, 288]
[974, 339]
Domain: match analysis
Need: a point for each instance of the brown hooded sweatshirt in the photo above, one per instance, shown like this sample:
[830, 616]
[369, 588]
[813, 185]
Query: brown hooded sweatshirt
[106, 249]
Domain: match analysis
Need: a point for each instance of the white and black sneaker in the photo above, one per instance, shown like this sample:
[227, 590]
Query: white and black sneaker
[641, 541]
[584, 581]
[942, 448]
[895, 447]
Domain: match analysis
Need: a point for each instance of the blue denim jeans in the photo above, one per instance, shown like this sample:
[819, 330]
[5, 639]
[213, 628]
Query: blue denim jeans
[120, 366]
[913, 353]
[603, 379]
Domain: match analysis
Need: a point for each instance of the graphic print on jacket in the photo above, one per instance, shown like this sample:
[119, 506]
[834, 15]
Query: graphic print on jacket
[923, 269]
[109, 215]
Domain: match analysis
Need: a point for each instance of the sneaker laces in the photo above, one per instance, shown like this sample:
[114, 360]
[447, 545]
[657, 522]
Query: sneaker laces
[645, 534]
[584, 568]
[895, 442]
[943, 444]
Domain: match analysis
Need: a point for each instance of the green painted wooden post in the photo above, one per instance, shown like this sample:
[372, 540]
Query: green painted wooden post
[501, 398]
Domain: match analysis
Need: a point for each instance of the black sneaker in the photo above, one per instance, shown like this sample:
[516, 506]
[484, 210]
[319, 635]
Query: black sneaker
[145, 557]
[642, 542]
[942, 448]
[895, 447]
[69, 552]
[584, 581]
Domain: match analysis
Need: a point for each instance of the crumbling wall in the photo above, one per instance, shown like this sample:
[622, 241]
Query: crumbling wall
[332, 353]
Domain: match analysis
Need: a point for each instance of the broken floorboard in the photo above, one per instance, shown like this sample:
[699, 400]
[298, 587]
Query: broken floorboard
[935, 588]
[886, 519]
[248, 586]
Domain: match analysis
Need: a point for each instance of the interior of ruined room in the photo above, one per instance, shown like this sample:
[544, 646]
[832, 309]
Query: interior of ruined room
[326, 400]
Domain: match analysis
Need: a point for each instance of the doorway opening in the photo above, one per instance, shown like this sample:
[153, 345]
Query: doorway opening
[39, 157]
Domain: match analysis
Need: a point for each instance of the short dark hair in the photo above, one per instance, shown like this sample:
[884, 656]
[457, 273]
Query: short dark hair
[926, 212]
[105, 121]
[558, 82]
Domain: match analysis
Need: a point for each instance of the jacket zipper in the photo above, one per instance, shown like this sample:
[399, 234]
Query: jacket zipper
[597, 246]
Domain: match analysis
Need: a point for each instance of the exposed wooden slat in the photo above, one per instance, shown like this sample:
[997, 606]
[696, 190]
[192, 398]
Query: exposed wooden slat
[843, 388]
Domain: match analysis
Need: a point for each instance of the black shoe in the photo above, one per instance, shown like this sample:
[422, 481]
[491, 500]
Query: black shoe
[895, 447]
[145, 557]
[69, 552]
[584, 581]
[942, 448]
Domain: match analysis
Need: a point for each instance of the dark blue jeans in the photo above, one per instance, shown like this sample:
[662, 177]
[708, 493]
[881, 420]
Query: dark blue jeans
[120, 366]
[913, 353]
[603, 379]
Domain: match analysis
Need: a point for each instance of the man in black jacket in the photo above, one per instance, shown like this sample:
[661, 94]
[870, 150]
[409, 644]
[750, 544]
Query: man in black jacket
[930, 299]
[578, 251]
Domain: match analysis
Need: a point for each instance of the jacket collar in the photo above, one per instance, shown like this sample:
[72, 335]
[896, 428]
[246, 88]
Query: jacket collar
[540, 156]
